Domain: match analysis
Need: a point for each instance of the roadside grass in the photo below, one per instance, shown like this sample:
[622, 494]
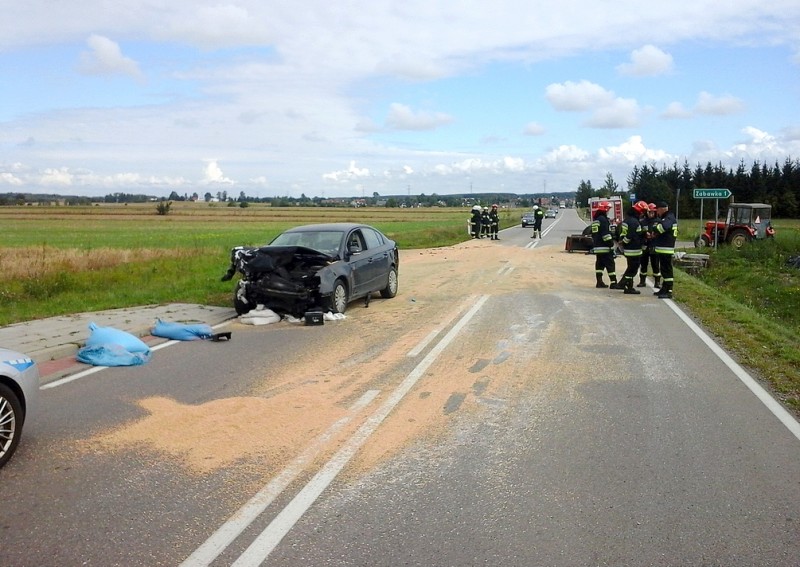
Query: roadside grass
[63, 260]
[750, 300]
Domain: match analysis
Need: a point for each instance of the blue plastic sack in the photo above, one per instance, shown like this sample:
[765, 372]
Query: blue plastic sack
[181, 331]
[110, 336]
[111, 355]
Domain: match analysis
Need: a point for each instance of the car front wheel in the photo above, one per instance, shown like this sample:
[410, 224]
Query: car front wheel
[338, 300]
[10, 423]
[391, 287]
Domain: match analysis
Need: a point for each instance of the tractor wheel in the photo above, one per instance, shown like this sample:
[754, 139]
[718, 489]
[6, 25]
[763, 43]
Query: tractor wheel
[700, 241]
[738, 238]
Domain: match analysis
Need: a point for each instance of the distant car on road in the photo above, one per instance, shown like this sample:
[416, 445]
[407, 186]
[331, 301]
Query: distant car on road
[19, 389]
[315, 267]
[527, 220]
[551, 214]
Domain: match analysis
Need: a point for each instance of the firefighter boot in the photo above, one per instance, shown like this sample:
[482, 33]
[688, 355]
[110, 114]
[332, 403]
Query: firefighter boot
[629, 289]
[656, 285]
[600, 282]
[666, 291]
[642, 278]
[614, 284]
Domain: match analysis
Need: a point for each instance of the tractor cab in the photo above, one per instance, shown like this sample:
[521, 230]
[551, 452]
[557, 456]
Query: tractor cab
[745, 222]
[754, 216]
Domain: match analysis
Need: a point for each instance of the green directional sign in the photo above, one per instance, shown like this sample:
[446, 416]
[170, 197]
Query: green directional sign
[711, 193]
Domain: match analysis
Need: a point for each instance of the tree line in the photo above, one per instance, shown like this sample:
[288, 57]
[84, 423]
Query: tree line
[777, 185]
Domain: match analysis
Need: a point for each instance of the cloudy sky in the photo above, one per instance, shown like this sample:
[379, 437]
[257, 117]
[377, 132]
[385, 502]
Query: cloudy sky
[279, 97]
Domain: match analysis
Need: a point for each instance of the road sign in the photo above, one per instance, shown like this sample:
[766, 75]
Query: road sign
[711, 193]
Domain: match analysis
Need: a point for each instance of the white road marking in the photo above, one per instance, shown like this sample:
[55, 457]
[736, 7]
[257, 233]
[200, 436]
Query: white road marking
[70, 378]
[423, 343]
[432, 335]
[243, 517]
[263, 545]
[772, 405]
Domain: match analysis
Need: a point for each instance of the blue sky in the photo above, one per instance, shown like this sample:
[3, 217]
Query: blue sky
[345, 99]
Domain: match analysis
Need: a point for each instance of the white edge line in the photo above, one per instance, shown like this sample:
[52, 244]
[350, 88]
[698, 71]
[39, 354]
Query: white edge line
[772, 405]
[263, 545]
[423, 343]
[245, 515]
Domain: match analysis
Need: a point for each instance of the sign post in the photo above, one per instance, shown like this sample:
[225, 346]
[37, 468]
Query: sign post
[715, 193]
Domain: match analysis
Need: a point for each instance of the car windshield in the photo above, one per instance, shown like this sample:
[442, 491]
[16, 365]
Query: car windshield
[326, 242]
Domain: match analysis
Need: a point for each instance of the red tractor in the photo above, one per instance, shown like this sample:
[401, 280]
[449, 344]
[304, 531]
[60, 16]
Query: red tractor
[745, 222]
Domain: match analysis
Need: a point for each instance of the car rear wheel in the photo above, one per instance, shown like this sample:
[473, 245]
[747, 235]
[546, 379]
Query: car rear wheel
[11, 419]
[391, 287]
[339, 299]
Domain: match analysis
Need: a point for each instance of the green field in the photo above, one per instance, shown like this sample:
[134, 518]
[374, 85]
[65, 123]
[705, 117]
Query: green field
[61, 260]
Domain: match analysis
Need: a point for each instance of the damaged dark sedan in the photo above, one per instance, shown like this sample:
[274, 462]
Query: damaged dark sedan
[317, 267]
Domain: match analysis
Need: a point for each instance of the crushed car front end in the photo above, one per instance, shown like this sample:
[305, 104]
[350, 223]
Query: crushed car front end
[286, 279]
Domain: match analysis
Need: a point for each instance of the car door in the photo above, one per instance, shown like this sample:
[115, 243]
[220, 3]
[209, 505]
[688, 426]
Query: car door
[380, 259]
[359, 262]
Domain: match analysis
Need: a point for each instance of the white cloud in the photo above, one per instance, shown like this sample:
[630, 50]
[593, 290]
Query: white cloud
[402, 117]
[608, 110]
[633, 151]
[8, 178]
[533, 129]
[717, 105]
[212, 174]
[648, 61]
[570, 96]
[675, 110]
[621, 113]
[349, 174]
[56, 177]
[105, 58]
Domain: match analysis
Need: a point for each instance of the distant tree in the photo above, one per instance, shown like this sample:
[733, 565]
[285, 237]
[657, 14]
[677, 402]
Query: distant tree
[584, 192]
[609, 188]
[163, 207]
[207, 197]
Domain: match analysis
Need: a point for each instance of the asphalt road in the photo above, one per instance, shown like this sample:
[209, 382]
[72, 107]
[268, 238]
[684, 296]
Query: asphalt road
[499, 411]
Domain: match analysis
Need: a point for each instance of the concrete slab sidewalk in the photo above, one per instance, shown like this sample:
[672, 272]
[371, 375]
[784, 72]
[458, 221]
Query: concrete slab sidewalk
[61, 337]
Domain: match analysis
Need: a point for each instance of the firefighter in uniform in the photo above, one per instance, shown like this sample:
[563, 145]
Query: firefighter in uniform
[494, 223]
[475, 221]
[485, 221]
[603, 246]
[538, 216]
[648, 257]
[630, 237]
[666, 233]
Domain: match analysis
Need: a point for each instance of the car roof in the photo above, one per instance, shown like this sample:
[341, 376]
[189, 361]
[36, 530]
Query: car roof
[327, 227]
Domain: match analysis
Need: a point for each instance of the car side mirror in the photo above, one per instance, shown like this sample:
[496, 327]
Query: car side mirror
[354, 249]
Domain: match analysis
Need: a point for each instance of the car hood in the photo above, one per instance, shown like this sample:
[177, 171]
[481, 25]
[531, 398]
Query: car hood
[294, 251]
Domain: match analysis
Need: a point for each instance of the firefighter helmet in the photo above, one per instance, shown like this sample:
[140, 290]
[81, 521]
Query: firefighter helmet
[604, 206]
[641, 207]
